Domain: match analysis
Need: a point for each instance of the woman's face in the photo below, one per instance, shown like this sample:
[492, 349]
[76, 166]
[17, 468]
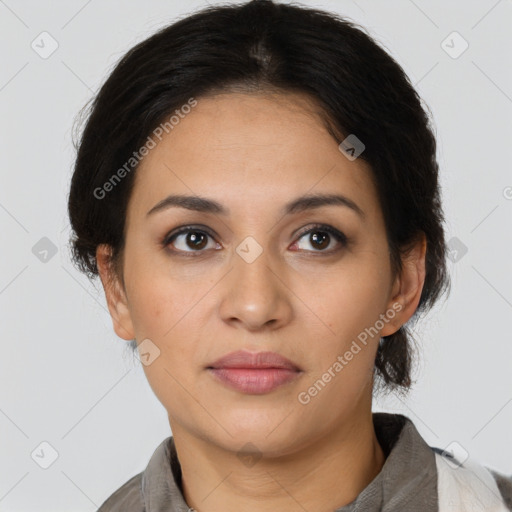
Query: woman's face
[255, 277]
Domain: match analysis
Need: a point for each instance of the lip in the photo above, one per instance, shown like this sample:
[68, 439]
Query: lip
[254, 373]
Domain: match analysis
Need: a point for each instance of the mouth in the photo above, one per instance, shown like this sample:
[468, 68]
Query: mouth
[254, 373]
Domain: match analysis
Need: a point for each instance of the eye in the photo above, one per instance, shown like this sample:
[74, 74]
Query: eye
[189, 239]
[320, 237]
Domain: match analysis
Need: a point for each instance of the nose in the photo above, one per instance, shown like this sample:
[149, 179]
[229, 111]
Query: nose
[255, 295]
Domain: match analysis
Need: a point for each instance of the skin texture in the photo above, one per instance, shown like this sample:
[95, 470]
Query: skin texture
[253, 153]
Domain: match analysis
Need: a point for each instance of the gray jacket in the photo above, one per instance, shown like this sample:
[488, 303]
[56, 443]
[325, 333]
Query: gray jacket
[408, 481]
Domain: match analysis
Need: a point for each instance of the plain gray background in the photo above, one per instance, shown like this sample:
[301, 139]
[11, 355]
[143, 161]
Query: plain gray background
[67, 380]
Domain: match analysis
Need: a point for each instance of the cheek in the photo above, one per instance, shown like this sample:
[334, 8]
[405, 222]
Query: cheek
[156, 300]
[161, 312]
[349, 302]
[165, 311]
[346, 351]
[151, 309]
[161, 293]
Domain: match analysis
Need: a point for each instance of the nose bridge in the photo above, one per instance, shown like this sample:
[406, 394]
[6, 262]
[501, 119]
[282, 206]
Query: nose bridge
[255, 294]
[252, 270]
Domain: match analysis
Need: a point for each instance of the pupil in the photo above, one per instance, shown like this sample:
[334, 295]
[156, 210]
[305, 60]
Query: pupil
[321, 240]
[194, 237]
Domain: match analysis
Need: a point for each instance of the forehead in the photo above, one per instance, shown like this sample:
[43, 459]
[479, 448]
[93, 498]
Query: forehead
[249, 151]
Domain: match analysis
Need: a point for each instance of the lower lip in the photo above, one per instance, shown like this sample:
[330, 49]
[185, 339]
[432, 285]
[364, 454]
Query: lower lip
[254, 380]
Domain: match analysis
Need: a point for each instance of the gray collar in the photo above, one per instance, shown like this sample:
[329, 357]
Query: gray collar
[407, 481]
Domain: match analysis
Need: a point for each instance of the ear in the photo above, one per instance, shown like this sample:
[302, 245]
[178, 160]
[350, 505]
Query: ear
[115, 294]
[407, 287]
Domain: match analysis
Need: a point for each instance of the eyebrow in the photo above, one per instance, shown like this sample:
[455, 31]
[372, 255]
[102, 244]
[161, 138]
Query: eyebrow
[300, 204]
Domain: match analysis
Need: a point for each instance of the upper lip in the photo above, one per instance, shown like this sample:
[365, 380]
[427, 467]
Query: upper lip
[245, 359]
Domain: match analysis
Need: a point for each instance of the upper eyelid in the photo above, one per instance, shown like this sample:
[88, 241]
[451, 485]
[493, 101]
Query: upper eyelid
[185, 229]
[208, 231]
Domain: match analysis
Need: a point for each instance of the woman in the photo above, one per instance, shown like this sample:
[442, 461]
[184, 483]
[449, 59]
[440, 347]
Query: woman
[257, 188]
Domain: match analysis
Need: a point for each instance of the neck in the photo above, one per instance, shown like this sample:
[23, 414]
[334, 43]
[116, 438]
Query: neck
[322, 476]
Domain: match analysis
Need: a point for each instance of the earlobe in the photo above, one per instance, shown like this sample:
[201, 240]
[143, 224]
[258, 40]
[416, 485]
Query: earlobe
[114, 293]
[407, 287]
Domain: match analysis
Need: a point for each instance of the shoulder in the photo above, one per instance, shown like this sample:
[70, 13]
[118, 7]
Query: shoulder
[128, 498]
[504, 483]
[153, 485]
[469, 485]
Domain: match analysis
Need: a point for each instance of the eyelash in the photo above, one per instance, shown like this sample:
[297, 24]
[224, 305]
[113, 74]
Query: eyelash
[338, 235]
